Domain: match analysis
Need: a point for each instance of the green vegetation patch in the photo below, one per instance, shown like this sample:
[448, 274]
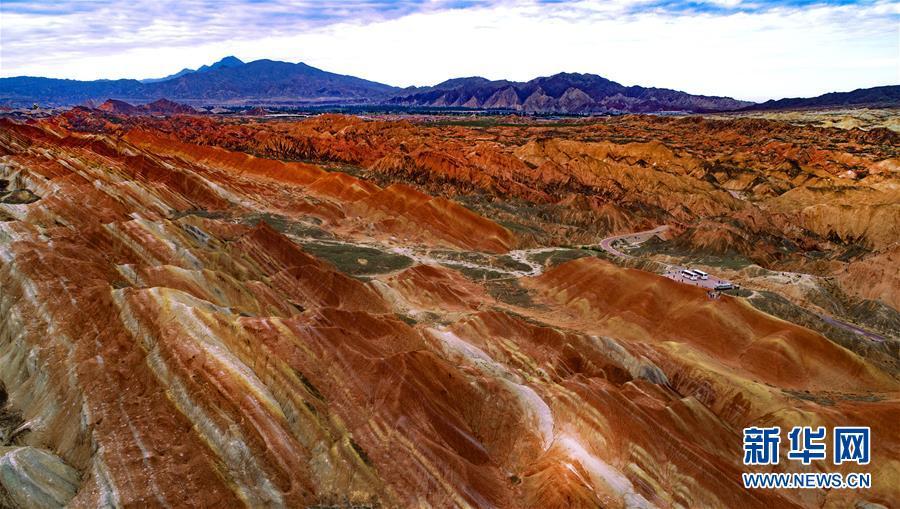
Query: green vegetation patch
[358, 260]
[510, 292]
[349, 169]
[488, 261]
[208, 214]
[509, 263]
[476, 274]
[308, 227]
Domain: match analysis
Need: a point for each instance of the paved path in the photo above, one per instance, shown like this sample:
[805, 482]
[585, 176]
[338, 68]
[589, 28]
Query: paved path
[632, 238]
[850, 327]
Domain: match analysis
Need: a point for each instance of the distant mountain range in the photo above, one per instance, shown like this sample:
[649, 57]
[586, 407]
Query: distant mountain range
[231, 81]
[877, 96]
[562, 93]
[228, 81]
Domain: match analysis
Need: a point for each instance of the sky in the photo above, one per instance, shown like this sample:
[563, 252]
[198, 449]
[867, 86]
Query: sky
[747, 49]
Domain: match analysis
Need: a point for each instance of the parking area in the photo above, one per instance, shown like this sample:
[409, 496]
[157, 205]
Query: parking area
[711, 283]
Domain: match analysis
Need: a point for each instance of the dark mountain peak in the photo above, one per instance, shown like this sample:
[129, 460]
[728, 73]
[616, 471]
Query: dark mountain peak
[265, 62]
[570, 76]
[269, 67]
[229, 61]
[225, 63]
[591, 84]
[463, 82]
[266, 81]
[576, 77]
[269, 61]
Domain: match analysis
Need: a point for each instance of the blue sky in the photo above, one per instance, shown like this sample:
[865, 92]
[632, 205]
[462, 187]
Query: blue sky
[750, 49]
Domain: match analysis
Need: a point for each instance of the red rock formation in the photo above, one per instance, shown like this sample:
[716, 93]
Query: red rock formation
[161, 346]
[778, 194]
[158, 107]
[119, 107]
[676, 169]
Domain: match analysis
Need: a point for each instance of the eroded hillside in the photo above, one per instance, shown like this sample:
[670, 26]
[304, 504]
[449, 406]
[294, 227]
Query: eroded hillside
[789, 198]
[396, 314]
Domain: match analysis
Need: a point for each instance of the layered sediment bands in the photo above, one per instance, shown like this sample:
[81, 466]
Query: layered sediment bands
[730, 331]
[732, 360]
[31, 477]
[162, 346]
[856, 215]
[788, 192]
[337, 197]
[875, 277]
[427, 289]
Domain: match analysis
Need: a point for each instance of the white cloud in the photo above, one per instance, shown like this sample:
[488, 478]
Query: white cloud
[754, 55]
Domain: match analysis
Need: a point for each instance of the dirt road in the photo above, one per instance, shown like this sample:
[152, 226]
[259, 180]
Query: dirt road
[631, 238]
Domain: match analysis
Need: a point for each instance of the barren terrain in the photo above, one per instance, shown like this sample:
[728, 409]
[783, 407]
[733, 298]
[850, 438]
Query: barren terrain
[340, 311]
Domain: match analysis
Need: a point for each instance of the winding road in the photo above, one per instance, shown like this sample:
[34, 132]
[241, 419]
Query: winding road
[536, 269]
[632, 238]
[850, 327]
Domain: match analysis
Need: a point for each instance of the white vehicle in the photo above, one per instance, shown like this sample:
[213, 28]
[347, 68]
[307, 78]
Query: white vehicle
[689, 274]
[703, 275]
